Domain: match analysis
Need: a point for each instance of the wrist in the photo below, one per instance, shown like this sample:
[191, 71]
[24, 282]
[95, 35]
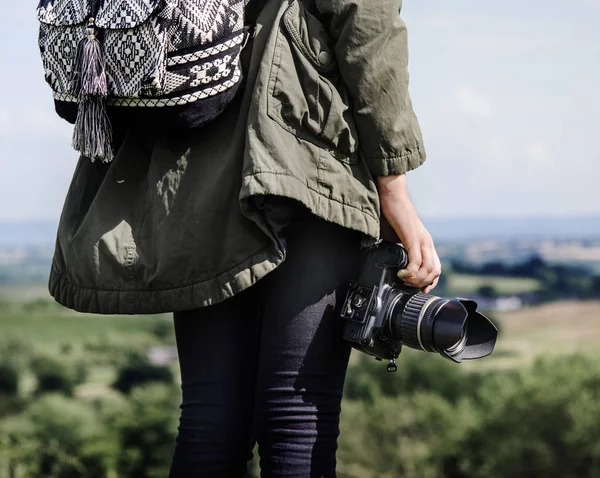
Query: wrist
[393, 186]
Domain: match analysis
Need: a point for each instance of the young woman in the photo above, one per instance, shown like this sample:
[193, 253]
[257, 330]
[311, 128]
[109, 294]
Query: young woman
[250, 229]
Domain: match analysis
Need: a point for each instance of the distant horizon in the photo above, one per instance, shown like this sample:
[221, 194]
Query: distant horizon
[465, 228]
[516, 227]
[423, 216]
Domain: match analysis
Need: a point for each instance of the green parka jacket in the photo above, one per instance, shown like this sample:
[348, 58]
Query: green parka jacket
[180, 221]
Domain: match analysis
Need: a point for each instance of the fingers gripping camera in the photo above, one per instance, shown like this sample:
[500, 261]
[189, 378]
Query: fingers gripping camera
[381, 315]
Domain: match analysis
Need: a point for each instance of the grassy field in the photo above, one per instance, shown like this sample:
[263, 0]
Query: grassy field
[555, 328]
[50, 327]
[30, 317]
[24, 293]
[32, 320]
[468, 284]
[30, 312]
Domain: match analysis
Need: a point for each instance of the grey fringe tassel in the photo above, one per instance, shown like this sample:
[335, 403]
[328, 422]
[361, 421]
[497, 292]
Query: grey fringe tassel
[92, 136]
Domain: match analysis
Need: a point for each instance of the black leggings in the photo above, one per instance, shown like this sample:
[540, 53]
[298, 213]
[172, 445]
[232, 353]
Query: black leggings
[268, 365]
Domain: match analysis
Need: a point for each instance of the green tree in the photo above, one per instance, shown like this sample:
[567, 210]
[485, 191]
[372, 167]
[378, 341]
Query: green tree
[541, 422]
[412, 436]
[595, 287]
[54, 375]
[488, 291]
[147, 431]
[138, 371]
[10, 402]
[418, 371]
[163, 330]
[9, 379]
[59, 437]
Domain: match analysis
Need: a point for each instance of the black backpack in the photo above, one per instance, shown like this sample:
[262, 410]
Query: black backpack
[146, 62]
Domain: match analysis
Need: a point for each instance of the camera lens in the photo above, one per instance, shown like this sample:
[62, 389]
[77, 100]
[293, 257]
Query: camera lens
[450, 327]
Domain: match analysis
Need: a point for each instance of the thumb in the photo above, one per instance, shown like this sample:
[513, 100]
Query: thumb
[414, 262]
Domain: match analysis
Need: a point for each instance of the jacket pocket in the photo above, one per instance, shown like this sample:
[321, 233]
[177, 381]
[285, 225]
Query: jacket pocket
[306, 96]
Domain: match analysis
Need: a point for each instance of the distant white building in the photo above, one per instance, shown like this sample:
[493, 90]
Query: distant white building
[507, 304]
[162, 355]
[501, 304]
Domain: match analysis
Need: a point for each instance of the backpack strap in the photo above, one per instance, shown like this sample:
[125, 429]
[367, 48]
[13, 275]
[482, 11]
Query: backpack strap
[252, 11]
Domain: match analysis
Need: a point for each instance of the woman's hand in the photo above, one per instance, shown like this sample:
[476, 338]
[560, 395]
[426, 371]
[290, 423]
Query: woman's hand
[424, 268]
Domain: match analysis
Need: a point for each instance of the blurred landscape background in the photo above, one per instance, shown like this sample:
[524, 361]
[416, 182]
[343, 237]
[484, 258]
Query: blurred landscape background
[97, 396]
[507, 96]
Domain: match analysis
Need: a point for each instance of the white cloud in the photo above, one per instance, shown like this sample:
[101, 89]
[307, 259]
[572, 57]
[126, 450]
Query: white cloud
[472, 103]
[507, 97]
[479, 164]
[538, 152]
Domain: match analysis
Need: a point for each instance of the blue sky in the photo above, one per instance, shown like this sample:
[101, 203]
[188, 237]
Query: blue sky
[507, 93]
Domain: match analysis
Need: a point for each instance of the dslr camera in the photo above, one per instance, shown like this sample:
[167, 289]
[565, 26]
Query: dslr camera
[380, 314]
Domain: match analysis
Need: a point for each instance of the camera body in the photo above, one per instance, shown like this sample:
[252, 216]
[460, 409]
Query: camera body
[367, 300]
[381, 314]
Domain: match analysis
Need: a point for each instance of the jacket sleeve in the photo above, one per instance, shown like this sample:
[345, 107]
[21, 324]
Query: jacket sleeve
[372, 52]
